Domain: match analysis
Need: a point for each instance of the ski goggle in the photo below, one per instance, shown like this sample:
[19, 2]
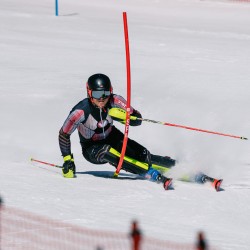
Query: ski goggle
[98, 94]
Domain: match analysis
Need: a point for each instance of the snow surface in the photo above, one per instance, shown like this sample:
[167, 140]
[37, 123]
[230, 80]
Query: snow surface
[189, 64]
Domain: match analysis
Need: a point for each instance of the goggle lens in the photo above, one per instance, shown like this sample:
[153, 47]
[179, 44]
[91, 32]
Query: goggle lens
[98, 94]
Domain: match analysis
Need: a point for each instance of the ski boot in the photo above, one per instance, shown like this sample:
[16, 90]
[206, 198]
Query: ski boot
[202, 178]
[167, 182]
[155, 176]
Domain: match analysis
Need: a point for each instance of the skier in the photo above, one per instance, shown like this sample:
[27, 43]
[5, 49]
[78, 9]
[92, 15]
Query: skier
[99, 138]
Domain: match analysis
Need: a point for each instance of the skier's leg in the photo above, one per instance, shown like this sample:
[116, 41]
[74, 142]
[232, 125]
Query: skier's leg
[112, 157]
[164, 161]
[137, 167]
[94, 153]
[101, 154]
[133, 149]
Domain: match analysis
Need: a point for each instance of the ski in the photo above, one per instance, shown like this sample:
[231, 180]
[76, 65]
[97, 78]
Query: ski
[202, 178]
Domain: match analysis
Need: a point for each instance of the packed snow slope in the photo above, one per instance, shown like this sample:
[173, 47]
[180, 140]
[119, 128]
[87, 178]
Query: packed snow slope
[189, 65]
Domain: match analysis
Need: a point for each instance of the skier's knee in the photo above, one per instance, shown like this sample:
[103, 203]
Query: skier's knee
[96, 153]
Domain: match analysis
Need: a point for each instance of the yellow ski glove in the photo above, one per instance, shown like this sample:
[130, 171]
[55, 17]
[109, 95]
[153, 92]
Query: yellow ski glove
[68, 169]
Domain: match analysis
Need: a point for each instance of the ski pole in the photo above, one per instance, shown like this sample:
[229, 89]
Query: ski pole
[45, 163]
[190, 128]
[119, 114]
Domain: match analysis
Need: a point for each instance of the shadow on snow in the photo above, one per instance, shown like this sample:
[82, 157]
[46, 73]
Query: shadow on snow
[110, 174]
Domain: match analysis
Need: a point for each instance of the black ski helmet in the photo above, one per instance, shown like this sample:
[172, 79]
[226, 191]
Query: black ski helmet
[98, 82]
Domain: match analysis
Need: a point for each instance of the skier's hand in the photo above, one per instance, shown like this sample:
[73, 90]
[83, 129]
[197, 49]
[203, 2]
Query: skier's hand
[68, 169]
[119, 115]
[135, 122]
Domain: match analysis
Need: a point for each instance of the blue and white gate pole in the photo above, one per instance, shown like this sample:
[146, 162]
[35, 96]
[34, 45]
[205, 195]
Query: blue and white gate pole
[56, 7]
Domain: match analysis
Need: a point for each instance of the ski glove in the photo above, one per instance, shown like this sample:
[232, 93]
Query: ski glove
[69, 168]
[136, 122]
[119, 115]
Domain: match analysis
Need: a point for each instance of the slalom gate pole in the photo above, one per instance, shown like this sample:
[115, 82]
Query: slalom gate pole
[125, 140]
[45, 163]
[196, 129]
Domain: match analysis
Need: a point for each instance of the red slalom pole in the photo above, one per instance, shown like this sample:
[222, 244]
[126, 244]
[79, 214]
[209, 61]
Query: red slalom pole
[46, 163]
[125, 140]
[196, 129]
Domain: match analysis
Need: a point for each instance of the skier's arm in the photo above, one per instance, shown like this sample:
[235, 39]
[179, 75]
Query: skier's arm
[69, 126]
